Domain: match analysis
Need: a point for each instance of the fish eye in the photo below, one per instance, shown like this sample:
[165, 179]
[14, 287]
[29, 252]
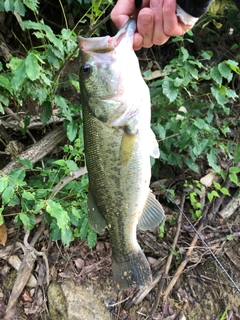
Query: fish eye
[86, 69]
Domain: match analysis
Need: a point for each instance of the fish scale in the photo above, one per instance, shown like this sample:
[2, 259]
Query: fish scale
[118, 143]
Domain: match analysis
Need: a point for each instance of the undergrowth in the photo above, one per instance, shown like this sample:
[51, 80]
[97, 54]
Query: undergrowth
[193, 112]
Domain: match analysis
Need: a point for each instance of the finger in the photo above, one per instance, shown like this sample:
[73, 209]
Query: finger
[171, 25]
[122, 11]
[138, 42]
[125, 9]
[145, 24]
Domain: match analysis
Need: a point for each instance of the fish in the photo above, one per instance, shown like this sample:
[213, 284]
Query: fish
[118, 143]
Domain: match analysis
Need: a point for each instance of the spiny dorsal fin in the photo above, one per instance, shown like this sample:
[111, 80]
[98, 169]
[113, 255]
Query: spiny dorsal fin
[152, 215]
[95, 218]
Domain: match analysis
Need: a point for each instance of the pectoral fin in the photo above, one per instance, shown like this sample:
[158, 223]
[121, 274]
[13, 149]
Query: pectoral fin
[154, 150]
[127, 148]
[152, 215]
[95, 218]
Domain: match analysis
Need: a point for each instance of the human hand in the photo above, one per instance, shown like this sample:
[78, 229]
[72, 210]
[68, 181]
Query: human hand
[156, 21]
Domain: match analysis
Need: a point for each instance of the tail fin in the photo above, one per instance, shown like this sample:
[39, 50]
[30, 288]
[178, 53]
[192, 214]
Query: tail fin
[131, 270]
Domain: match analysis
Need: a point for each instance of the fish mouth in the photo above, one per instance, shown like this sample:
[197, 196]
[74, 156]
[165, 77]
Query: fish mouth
[107, 44]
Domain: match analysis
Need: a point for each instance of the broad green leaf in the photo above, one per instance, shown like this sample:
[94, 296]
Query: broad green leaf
[46, 116]
[28, 220]
[9, 5]
[5, 101]
[62, 103]
[19, 76]
[7, 195]
[71, 165]
[56, 211]
[5, 83]
[201, 124]
[19, 7]
[39, 205]
[32, 4]
[17, 174]
[28, 195]
[219, 96]
[225, 71]
[170, 91]
[1, 109]
[27, 163]
[84, 229]
[14, 201]
[217, 185]
[3, 183]
[1, 5]
[225, 191]
[234, 178]
[72, 130]
[234, 169]
[92, 238]
[41, 193]
[212, 161]
[216, 75]
[33, 70]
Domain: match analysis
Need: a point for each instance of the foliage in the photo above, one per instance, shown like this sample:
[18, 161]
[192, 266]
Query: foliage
[37, 79]
[195, 133]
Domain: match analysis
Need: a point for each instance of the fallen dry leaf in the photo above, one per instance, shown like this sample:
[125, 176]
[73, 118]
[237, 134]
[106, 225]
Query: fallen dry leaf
[3, 234]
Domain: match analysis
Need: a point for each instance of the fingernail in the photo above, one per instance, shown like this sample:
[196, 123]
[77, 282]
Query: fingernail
[145, 18]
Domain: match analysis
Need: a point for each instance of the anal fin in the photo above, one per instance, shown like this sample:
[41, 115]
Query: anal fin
[152, 214]
[95, 218]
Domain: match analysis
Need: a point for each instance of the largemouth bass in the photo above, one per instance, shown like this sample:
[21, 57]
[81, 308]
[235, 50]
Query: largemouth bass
[118, 144]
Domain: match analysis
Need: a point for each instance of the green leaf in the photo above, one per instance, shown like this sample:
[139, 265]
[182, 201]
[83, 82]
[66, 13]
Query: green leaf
[234, 169]
[33, 70]
[39, 205]
[212, 160]
[234, 178]
[225, 71]
[19, 7]
[7, 195]
[225, 191]
[9, 5]
[170, 91]
[71, 165]
[84, 229]
[25, 162]
[72, 130]
[28, 195]
[62, 218]
[92, 238]
[3, 183]
[61, 102]
[46, 116]
[32, 4]
[19, 76]
[216, 75]
[5, 83]
[17, 174]
[28, 220]
[229, 237]
[219, 96]
[201, 124]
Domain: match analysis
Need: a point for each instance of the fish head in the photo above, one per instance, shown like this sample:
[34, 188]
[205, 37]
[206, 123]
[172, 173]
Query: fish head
[108, 66]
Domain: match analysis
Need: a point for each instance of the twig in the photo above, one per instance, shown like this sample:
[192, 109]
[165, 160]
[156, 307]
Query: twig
[23, 275]
[188, 254]
[38, 150]
[72, 176]
[168, 263]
